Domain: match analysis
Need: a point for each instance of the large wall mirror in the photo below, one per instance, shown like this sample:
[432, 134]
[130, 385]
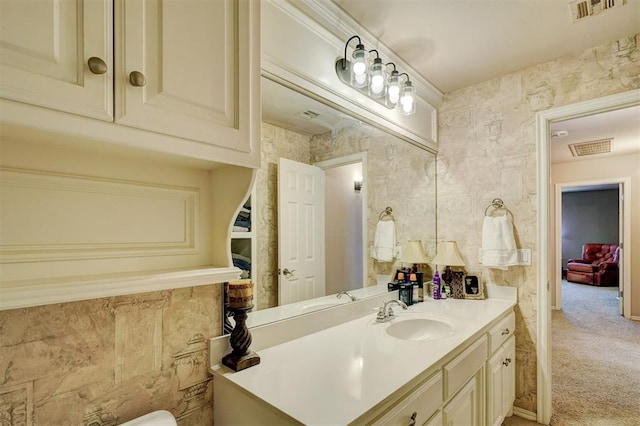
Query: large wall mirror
[299, 130]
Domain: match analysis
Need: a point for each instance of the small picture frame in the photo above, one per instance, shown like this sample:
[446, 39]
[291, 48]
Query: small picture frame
[473, 288]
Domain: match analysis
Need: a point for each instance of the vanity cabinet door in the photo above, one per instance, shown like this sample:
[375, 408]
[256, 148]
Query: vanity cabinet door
[189, 69]
[45, 48]
[501, 383]
[464, 408]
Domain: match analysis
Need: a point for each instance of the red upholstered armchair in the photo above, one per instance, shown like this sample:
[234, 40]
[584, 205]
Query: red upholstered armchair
[598, 266]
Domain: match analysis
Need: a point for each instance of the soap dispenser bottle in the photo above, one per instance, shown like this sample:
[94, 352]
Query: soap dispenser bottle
[436, 285]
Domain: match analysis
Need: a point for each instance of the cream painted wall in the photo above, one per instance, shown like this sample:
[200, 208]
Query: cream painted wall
[488, 149]
[343, 229]
[611, 167]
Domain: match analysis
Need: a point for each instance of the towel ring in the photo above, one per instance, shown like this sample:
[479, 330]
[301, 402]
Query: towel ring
[386, 212]
[498, 204]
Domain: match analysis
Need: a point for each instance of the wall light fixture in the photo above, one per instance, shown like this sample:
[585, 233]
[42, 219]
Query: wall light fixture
[370, 77]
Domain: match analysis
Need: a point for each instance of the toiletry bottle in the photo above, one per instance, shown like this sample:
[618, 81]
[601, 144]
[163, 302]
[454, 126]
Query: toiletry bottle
[436, 285]
[418, 294]
[406, 293]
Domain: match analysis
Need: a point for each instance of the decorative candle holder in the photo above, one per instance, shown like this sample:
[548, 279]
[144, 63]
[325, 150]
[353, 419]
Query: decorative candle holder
[240, 298]
[241, 356]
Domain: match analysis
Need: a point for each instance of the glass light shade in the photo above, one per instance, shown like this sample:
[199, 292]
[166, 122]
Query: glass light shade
[414, 253]
[393, 89]
[376, 79]
[359, 67]
[448, 255]
[408, 99]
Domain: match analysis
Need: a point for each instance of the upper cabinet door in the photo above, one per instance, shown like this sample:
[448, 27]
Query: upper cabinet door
[189, 68]
[45, 47]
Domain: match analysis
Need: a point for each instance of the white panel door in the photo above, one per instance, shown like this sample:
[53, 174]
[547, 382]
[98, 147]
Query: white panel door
[186, 68]
[300, 231]
[45, 47]
[621, 264]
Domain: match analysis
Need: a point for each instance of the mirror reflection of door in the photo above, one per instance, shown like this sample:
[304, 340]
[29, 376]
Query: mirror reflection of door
[300, 231]
[342, 223]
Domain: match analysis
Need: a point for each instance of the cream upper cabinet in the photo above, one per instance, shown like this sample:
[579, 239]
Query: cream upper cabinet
[186, 69]
[45, 47]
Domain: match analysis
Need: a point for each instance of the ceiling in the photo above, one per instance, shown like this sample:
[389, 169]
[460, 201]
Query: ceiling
[457, 43]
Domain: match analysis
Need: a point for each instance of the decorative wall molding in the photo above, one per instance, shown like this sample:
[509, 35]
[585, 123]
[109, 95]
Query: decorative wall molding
[56, 216]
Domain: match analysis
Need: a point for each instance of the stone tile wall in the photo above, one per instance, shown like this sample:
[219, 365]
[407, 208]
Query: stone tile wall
[102, 362]
[488, 150]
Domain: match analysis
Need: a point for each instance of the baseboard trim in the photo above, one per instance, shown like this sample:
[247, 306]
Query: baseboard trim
[635, 318]
[525, 414]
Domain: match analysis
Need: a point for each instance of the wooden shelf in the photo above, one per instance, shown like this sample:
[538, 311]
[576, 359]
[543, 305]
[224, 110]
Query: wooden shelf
[23, 294]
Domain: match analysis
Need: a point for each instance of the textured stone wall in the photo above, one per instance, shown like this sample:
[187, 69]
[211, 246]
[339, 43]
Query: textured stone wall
[400, 175]
[488, 150]
[105, 361]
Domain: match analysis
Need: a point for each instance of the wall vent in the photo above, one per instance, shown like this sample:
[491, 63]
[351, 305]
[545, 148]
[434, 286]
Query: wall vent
[601, 146]
[582, 9]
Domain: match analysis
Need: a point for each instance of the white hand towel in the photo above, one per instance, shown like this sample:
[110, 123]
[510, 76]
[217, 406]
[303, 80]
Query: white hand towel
[498, 244]
[384, 245]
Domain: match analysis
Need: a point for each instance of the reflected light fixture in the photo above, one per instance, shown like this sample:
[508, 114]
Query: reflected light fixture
[372, 78]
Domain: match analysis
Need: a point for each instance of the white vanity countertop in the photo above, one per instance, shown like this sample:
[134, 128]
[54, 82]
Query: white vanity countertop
[336, 375]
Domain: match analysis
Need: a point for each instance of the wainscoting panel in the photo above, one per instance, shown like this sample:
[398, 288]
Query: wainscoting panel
[69, 217]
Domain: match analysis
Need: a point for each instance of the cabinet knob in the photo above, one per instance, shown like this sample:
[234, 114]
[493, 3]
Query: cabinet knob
[506, 362]
[413, 418]
[97, 65]
[505, 331]
[137, 79]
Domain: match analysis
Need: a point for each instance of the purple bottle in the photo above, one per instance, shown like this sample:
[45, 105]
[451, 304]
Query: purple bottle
[436, 285]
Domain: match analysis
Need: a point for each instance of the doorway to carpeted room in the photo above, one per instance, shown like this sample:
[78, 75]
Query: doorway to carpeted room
[595, 369]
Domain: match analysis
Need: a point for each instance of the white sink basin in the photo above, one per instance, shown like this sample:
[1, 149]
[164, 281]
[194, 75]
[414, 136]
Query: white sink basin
[416, 328]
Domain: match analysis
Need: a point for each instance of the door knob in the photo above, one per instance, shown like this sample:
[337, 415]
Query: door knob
[288, 273]
[97, 65]
[413, 418]
[506, 362]
[505, 331]
[137, 79]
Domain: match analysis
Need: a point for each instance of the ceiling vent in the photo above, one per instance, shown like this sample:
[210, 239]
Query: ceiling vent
[601, 146]
[307, 115]
[582, 9]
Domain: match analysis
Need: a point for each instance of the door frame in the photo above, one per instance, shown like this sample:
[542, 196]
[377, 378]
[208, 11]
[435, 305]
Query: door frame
[360, 157]
[624, 230]
[543, 137]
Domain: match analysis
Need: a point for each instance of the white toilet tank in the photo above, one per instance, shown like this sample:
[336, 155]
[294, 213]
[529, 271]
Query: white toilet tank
[157, 418]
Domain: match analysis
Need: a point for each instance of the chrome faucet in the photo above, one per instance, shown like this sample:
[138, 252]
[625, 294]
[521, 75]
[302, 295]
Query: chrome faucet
[385, 312]
[346, 293]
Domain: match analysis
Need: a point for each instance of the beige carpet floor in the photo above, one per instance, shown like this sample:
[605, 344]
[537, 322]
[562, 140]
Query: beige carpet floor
[595, 361]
